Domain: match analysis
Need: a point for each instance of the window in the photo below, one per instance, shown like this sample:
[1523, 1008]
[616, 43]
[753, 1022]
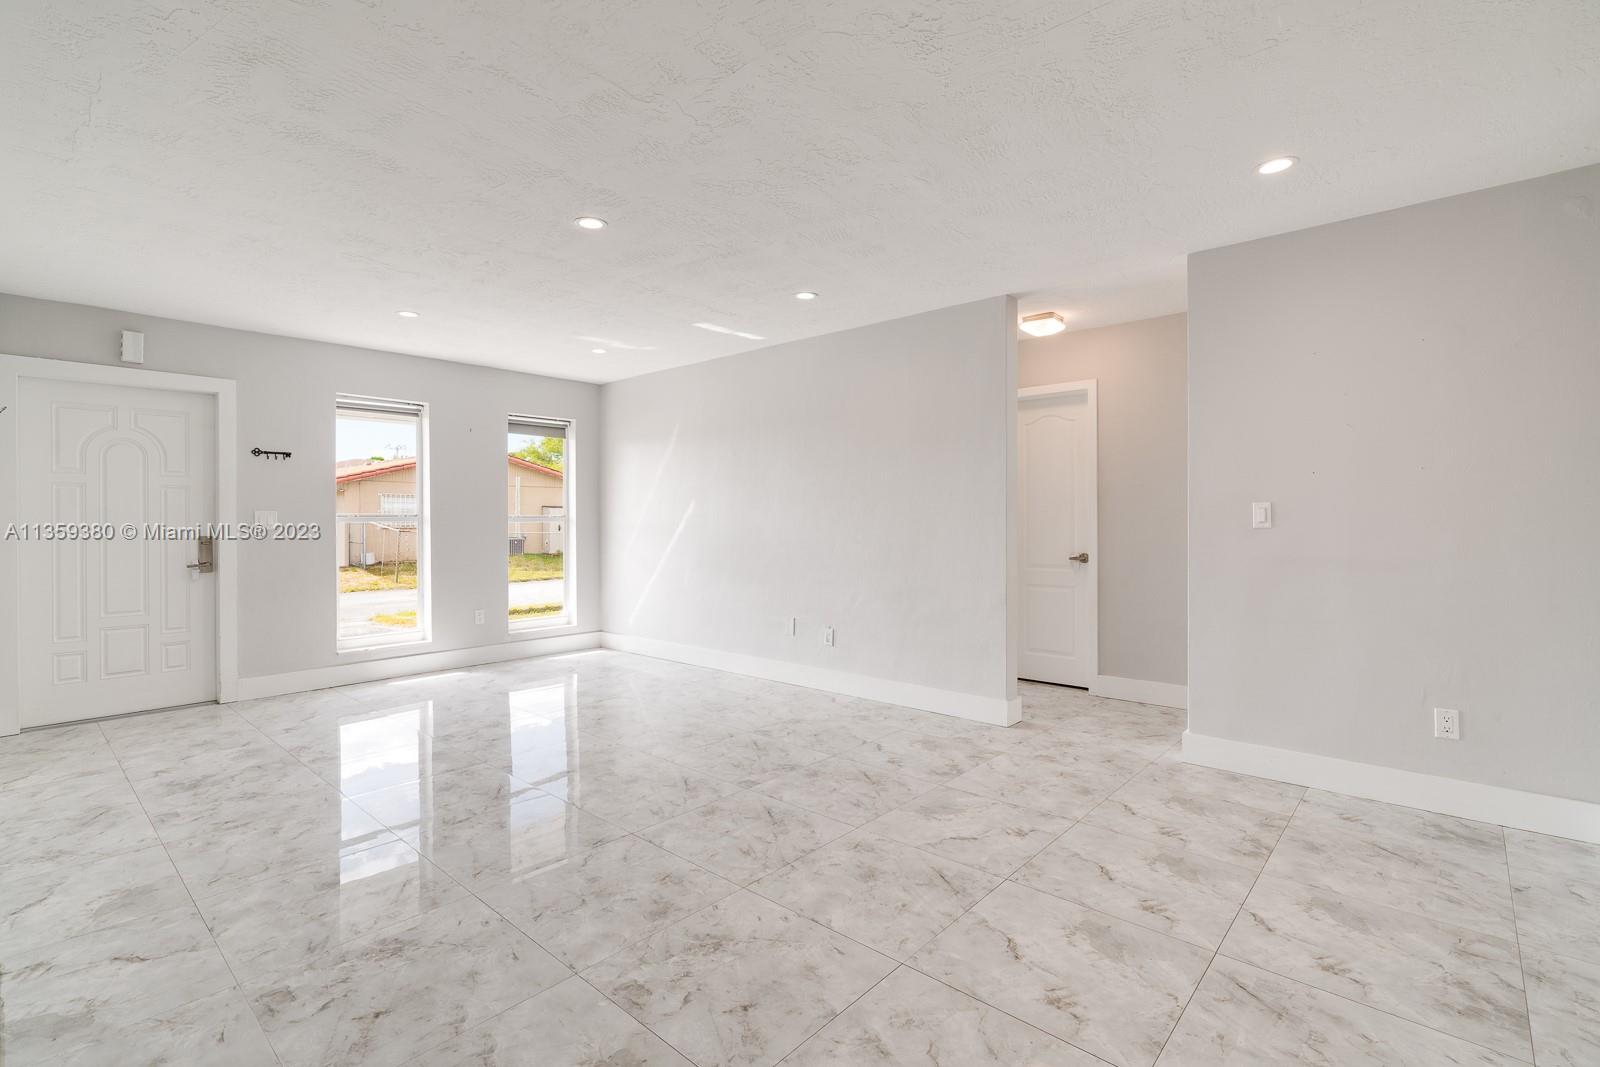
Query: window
[380, 484]
[538, 522]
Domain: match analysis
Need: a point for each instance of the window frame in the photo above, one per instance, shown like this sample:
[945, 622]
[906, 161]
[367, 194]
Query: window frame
[569, 610]
[356, 405]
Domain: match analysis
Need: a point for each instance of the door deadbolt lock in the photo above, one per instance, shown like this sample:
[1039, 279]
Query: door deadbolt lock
[205, 556]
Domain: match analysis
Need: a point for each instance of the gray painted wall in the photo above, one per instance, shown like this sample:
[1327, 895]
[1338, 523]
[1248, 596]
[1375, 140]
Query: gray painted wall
[286, 396]
[1141, 368]
[1418, 394]
[858, 480]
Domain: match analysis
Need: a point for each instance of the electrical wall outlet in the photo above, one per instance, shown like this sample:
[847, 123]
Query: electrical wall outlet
[1447, 724]
[477, 616]
[827, 636]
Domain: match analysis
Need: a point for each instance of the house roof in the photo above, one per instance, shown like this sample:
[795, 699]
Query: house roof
[528, 464]
[354, 470]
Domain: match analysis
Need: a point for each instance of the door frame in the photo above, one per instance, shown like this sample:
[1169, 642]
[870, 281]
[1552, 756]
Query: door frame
[1090, 387]
[225, 392]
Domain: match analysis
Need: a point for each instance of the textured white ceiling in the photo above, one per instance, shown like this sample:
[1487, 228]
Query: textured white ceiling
[310, 167]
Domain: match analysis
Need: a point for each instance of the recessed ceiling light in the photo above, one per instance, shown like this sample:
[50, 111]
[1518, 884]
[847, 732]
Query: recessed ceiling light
[589, 222]
[408, 314]
[1043, 324]
[598, 351]
[805, 296]
[1277, 166]
[714, 328]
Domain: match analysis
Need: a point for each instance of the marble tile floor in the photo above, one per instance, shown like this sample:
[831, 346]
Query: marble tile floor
[603, 859]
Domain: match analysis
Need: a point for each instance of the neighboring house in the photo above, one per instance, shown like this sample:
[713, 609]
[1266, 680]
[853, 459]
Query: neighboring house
[534, 489]
[389, 487]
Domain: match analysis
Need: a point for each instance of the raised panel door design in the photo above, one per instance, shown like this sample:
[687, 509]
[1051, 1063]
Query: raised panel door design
[118, 624]
[170, 432]
[1054, 439]
[72, 427]
[69, 567]
[124, 651]
[124, 497]
[175, 606]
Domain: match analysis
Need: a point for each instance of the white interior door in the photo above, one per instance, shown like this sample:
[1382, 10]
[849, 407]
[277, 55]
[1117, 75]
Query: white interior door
[1056, 478]
[114, 624]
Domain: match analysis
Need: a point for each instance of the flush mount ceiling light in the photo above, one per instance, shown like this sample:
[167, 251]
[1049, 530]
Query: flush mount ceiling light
[408, 314]
[598, 351]
[714, 328]
[621, 346]
[1277, 166]
[589, 222]
[1043, 324]
[808, 295]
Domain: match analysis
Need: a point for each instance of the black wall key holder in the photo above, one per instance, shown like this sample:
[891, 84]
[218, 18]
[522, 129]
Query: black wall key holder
[270, 453]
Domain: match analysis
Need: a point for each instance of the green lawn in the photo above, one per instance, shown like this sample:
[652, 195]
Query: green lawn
[528, 611]
[377, 577]
[527, 567]
[534, 566]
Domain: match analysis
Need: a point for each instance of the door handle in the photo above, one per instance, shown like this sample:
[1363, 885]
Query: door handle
[204, 556]
[1081, 557]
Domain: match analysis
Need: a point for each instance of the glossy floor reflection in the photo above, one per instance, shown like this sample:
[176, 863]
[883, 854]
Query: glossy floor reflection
[607, 859]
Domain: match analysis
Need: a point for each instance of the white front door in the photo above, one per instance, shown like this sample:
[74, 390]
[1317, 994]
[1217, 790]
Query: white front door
[111, 624]
[1056, 479]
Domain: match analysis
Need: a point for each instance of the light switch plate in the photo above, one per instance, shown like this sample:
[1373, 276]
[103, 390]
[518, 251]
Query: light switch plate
[1261, 515]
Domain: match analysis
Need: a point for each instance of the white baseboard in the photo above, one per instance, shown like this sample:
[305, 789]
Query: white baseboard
[1163, 694]
[371, 670]
[994, 710]
[1558, 816]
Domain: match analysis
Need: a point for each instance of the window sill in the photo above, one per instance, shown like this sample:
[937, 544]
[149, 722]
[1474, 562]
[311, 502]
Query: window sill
[563, 622]
[385, 645]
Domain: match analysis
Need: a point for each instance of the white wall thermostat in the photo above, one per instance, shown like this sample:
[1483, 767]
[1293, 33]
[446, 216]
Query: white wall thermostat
[132, 346]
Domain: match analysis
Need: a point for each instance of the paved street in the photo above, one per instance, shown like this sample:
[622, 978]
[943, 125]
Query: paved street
[356, 609]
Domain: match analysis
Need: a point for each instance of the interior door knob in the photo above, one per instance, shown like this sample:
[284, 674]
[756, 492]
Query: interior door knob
[1081, 557]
